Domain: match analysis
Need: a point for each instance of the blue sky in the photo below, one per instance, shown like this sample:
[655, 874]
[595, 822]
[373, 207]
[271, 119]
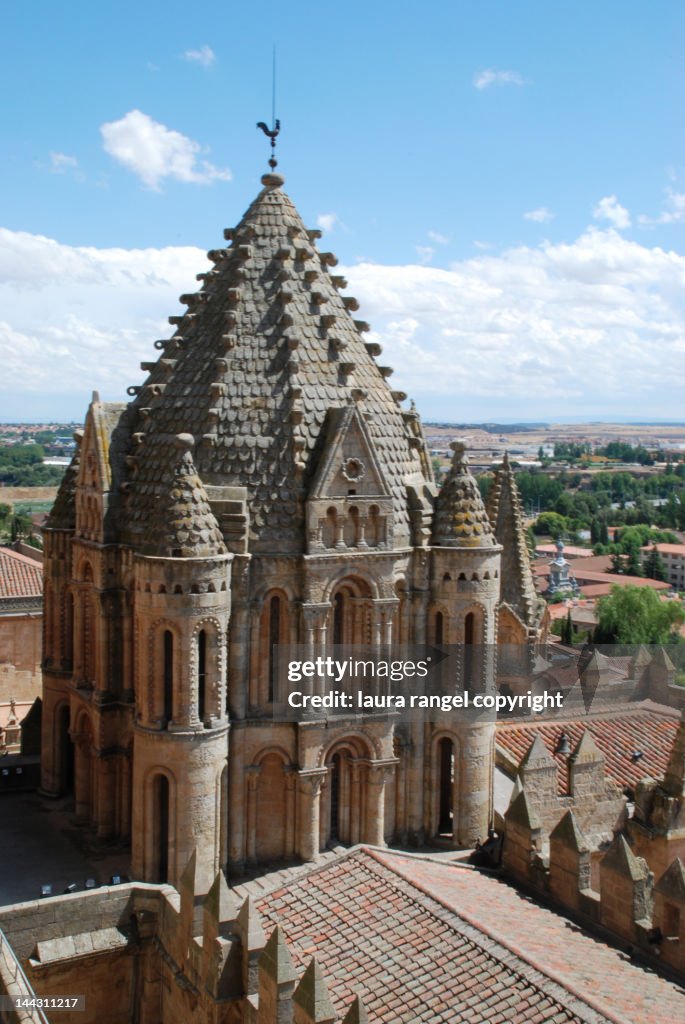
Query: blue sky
[504, 183]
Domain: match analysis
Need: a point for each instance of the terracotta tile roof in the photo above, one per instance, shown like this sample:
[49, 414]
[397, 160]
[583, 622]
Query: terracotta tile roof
[617, 733]
[597, 589]
[587, 967]
[570, 551]
[19, 576]
[593, 563]
[667, 549]
[408, 957]
[582, 575]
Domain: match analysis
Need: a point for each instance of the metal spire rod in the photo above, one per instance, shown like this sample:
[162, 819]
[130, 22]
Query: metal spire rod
[272, 133]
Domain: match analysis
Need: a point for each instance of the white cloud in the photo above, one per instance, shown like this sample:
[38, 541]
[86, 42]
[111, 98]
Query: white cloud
[610, 209]
[77, 318]
[595, 326]
[204, 56]
[673, 212]
[592, 327]
[439, 239]
[154, 152]
[60, 163]
[489, 76]
[425, 253]
[328, 221]
[541, 215]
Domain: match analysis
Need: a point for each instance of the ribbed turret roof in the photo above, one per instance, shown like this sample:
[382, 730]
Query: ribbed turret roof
[460, 517]
[267, 346]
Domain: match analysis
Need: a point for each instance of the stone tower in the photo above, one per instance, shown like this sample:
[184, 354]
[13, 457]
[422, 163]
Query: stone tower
[264, 485]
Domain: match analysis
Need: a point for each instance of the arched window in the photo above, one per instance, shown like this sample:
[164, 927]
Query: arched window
[274, 630]
[202, 675]
[330, 529]
[161, 827]
[446, 787]
[168, 675]
[469, 660]
[335, 798]
[373, 535]
[439, 628]
[339, 618]
[351, 613]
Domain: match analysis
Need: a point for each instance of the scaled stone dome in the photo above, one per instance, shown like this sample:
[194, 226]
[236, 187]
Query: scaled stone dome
[268, 345]
[460, 517]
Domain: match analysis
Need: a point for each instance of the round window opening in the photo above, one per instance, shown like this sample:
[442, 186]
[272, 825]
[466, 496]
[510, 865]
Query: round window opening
[353, 469]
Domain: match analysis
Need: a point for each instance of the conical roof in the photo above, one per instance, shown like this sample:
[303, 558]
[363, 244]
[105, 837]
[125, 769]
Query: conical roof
[506, 516]
[184, 525]
[460, 517]
[266, 348]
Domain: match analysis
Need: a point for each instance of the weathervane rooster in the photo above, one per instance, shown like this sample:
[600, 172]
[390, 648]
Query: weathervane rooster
[272, 134]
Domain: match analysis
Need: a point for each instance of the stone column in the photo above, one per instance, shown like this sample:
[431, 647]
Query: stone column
[315, 618]
[104, 813]
[401, 780]
[355, 803]
[377, 776]
[236, 798]
[290, 810]
[125, 797]
[78, 640]
[238, 662]
[82, 778]
[309, 791]
[252, 773]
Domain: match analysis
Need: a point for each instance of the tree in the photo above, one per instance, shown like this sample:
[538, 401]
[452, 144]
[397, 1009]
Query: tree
[633, 563]
[618, 563]
[653, 565]
[551, 523]
[637, 615]
[567, 631]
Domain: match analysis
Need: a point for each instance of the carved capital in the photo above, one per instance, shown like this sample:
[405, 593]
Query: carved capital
[310, 782]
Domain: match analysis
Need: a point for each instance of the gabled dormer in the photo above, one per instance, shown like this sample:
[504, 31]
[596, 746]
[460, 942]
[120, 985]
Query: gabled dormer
[94, 478]
[350, 503]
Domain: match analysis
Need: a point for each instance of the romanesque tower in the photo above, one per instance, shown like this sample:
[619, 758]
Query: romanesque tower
[264, 485]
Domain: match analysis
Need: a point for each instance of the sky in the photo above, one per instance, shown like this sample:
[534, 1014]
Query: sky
[503, 183]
